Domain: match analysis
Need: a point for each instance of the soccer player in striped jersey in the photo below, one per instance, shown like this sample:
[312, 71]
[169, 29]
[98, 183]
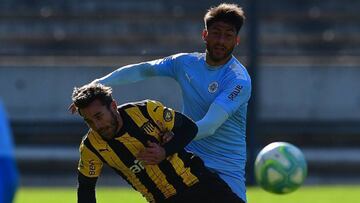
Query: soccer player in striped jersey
[128, 138]
[216, 89]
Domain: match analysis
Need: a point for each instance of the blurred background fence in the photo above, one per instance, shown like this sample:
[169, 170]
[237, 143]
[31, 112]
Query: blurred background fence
[307, 75]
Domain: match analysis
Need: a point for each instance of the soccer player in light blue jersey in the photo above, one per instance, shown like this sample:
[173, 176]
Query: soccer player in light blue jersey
[216, 89]
[8, 170]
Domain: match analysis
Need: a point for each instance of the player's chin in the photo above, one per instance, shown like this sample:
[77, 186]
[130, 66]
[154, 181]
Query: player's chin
[219, 57]
[107, 135]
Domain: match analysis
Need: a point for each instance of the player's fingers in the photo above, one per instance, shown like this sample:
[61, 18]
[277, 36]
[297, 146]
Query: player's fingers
[161, 125]
[148, 160]
[152, 161]
[167, 137]
[152, 145]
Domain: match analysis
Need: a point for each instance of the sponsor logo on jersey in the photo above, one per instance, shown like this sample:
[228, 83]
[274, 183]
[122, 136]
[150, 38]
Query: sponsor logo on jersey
[235, 93]
[213, 87]
[92, 167]
[167, 115]
[137, 167]
[188, 77]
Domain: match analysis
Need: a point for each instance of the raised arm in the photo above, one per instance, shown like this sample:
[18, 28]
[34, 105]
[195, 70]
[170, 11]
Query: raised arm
[184, 131]
[129, 74]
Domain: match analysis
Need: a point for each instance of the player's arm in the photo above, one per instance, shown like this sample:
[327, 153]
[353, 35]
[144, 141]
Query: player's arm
[182, 128]
[129, 74]
[227, 103]
[86, 189]
[140, 71]
[212, 120]
[168, 120]
[89, 169]
[184, 131]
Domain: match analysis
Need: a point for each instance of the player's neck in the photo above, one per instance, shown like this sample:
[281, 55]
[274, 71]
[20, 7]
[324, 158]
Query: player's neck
[216, 63]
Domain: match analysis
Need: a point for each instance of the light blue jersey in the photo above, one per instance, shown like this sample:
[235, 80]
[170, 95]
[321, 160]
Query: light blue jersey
[228, 87]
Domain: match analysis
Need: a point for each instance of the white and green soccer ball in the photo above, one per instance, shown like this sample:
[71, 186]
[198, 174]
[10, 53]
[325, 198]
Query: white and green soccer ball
[280, 168]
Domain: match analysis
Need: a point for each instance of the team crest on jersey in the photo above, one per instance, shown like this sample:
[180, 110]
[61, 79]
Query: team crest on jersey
[167, 115]
[213, 87]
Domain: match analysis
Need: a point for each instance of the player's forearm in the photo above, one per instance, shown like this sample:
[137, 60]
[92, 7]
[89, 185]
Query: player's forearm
[213, 119]
[184, 131]
[86, 189]
[128, 74]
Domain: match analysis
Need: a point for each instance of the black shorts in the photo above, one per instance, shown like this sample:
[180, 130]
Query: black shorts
[210, 189]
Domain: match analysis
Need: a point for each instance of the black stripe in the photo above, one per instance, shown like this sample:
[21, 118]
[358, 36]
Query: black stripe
[128, 159]
[196, 165]
[88, 144]
[171, 176]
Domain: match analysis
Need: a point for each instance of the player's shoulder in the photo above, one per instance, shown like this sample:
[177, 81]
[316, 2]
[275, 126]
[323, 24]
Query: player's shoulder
[141, 103]
[84, 139]
[186, 57]
[147, 105]
[238, 71]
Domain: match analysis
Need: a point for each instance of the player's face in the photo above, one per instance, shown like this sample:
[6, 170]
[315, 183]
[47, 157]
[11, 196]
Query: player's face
[104, 120]
[220, 39]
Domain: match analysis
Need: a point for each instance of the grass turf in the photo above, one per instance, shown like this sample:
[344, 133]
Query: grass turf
[308, 194]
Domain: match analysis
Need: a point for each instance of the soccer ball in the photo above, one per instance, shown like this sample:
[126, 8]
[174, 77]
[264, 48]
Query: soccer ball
[280, 168]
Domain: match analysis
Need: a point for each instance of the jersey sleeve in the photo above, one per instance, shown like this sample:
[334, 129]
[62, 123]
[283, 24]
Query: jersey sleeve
[236, 93]
[163, 116]
[170, 66]
[183, 128]
[166, 67]
[90, 164]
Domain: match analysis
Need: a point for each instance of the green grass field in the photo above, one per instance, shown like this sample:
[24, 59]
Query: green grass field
[308, 194]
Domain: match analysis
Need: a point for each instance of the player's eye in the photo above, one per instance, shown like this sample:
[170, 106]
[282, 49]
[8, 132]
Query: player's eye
[99, 117]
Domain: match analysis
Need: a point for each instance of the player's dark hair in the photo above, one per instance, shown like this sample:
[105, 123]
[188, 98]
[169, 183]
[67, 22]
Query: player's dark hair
[86, 94]
[227, 13]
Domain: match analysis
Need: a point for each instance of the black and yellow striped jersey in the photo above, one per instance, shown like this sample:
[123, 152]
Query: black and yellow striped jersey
[142, 122]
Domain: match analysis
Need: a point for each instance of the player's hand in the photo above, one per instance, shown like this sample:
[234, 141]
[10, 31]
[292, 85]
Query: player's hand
[72, 108]
[165, 135]
[152, 154]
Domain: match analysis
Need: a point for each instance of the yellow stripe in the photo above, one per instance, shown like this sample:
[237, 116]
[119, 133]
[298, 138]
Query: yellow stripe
[184, 172]
[89, 164]
[137, 116]
[141, 120]
[154, 172]
[114, 161]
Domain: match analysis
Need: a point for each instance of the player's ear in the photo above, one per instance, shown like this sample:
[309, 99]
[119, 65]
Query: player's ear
[204, 34]
[237, 40]
[113, 105]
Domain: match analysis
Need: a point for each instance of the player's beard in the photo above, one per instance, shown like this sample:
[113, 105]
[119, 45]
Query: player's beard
[211, 49]
[111, 130]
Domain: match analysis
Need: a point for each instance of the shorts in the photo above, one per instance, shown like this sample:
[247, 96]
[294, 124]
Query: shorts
[210, 189]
